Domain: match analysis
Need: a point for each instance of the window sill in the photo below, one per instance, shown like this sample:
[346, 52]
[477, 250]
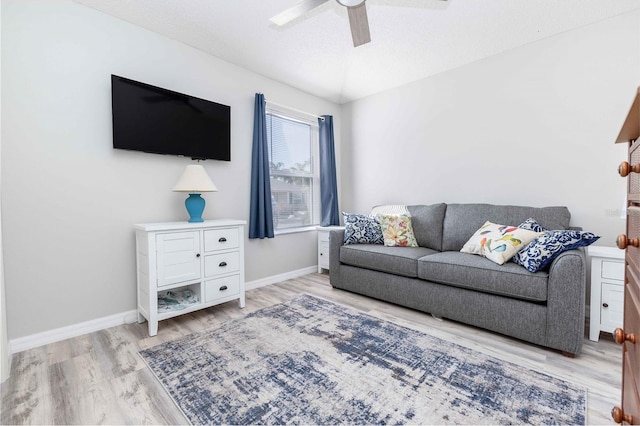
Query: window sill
[295, 230]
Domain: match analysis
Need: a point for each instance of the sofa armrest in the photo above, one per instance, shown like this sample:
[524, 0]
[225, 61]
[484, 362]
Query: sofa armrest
[566, 301]
[336, 240]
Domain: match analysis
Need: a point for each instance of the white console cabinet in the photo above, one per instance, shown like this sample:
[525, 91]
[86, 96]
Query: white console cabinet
[607, 290]
[323, 246]
[206, 258]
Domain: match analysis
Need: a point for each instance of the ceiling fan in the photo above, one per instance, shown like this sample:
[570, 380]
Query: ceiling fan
[357, 17]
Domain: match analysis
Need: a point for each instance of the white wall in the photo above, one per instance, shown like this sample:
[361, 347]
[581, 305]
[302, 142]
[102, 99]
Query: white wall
[532, 126]
[69, 200]
[5, 364]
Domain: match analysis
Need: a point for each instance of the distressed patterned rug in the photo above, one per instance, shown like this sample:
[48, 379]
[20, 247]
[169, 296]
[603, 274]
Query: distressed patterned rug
[310, 361]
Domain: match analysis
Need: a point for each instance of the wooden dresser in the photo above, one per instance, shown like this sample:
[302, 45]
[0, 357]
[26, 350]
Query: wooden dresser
[629, 335]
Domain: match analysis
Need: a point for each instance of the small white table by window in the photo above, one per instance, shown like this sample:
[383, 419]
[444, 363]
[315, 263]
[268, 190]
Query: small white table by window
[607, 290]
[323, 246]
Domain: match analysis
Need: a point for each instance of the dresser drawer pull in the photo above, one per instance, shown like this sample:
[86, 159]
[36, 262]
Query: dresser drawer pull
[222, 240]
[620, 336]
[223, 288]
[222, 264]
[605, 305]
[625, 168]
[619, 416]
[623, 242]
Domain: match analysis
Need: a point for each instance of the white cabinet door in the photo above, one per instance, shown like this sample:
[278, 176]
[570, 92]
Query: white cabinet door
[178, 255]
[612, 307]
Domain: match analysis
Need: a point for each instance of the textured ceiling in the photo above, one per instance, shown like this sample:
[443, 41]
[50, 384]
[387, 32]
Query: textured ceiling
[411, 39]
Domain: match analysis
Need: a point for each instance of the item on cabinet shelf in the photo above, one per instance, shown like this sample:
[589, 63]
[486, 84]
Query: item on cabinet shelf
[176, 300]
[607, 290]
[195, 181]
[202, 262]
[323, 246]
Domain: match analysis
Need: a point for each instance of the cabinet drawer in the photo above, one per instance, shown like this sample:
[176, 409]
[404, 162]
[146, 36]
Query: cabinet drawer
[323, 236]
[634, 178]
[223, 263]
[632, 323]
[633, 231]
[613, 270]
[220, 288]
[630, 402]
[221, 239]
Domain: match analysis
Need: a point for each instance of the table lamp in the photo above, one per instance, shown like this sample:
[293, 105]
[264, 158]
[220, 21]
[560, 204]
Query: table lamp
[195, 181]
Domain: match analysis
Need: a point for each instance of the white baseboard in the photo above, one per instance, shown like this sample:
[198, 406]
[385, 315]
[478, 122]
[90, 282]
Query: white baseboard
[280, 277]
[39, 339]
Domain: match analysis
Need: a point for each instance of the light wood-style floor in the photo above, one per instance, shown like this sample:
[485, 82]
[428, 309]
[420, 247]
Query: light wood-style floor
[99, 378]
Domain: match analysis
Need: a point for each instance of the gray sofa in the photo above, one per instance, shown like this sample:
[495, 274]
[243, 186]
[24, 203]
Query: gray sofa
[545, 308]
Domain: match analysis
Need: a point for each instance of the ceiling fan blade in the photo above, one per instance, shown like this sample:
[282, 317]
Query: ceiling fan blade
[359, 24]
[296, 11]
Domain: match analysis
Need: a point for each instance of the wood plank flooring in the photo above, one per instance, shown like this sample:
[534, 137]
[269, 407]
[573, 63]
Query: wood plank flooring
[99, 378]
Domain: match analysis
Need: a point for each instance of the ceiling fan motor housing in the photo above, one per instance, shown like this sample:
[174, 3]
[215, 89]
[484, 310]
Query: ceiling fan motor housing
[350, 3]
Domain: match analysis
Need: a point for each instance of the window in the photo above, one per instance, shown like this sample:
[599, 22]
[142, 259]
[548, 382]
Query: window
[293, 169]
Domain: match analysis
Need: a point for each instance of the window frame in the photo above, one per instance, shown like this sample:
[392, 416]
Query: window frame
[310, 120]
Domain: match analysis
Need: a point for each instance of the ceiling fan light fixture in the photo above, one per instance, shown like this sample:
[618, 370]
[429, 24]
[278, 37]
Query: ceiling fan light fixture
[350, 3]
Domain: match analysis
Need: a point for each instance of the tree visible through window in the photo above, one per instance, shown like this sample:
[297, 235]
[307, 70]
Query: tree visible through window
[293, 170]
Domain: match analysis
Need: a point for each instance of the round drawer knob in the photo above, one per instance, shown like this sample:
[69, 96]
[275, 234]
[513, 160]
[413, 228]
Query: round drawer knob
[624, 169]
[619, 416]
[605, 305]
[620, 336]
[623, 242]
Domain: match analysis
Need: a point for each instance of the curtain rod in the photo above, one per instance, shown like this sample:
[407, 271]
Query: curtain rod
[294, 110]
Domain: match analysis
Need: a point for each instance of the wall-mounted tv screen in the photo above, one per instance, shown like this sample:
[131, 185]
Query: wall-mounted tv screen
[151, 119]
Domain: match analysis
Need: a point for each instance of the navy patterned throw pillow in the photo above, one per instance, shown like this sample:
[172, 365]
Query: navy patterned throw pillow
[532, 225]
[362, 229]
[544, 249]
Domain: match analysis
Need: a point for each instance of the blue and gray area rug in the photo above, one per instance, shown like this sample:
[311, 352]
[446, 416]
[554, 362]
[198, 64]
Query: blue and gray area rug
[310, 361]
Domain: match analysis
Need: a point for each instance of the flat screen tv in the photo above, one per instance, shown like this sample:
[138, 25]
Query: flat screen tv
[151, 119]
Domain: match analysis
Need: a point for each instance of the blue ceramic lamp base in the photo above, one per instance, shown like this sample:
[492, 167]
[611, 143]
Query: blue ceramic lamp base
[195, 206]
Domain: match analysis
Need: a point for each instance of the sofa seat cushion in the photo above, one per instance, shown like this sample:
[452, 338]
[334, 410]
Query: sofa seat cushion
[477, 273]
[394, 260]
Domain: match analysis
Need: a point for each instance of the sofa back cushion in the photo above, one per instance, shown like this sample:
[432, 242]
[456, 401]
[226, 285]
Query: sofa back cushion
[427, 224]
[461, 221]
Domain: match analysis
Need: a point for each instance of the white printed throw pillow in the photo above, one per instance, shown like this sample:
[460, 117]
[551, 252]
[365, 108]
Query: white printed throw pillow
[498, 243]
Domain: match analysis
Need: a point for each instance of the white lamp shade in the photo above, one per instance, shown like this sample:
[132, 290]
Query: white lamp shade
[194, 179]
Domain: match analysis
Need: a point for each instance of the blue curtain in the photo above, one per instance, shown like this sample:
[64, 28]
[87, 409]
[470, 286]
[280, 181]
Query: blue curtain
[261, 214]
[328, 182]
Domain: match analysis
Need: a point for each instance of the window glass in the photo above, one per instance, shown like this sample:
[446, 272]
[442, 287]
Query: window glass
[292, 167]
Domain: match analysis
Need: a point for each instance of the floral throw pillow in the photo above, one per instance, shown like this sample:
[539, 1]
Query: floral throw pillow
[361, 229]
[544, 249]
[498, 243]
[397, 230]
